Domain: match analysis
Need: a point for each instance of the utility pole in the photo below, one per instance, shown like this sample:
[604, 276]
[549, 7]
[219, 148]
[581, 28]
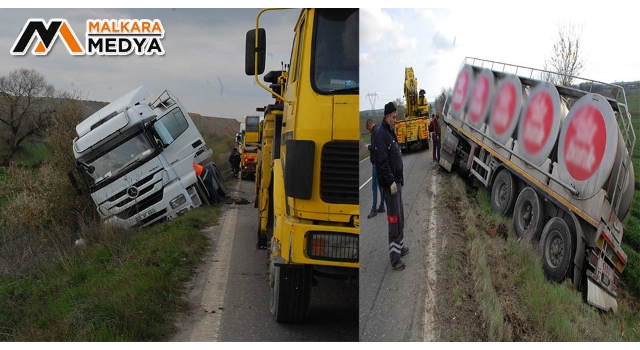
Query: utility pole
[372, 99]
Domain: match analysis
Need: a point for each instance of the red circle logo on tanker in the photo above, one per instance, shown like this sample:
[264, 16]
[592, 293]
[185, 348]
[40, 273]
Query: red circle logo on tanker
[585, 142]
[460, 92]
[538, 119]
[479, 98]
[505, 106]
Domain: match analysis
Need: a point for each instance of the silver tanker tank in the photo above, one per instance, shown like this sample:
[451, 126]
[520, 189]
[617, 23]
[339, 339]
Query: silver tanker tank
[505, 109]
[461, 92]
[481, 97]
[591, 150]
[539, 123]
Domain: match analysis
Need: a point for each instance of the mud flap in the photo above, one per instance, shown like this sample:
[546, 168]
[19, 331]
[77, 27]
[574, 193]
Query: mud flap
[598, 297]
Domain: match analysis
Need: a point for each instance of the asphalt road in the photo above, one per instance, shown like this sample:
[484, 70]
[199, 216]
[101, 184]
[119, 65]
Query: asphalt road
[396, 305]
[231, 291]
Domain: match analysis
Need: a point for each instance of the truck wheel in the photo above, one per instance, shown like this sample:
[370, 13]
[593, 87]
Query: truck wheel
[528, 215]
[556, 248]
[503, 193]
[217, 175]
[290, 292]
[202, 193]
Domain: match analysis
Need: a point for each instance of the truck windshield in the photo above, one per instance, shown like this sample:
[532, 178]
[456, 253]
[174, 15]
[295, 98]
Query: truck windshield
[335, 64]
[122, 156]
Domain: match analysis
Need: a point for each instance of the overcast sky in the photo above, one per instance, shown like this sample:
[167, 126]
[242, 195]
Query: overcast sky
[435, 42]
[203, 64]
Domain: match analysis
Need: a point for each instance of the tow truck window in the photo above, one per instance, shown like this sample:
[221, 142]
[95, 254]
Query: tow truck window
[335, 65]
[252, 124]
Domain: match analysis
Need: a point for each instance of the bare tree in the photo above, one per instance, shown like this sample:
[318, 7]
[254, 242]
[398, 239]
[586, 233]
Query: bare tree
[400, 108]
[440, 100]
[25, 108]
[566, 58]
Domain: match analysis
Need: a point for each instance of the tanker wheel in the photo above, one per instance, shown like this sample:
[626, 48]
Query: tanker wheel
[290, 292]
[503, 193]
[528, 215]
[556, 249]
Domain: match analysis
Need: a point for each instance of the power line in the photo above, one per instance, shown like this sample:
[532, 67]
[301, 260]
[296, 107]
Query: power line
[372, 99]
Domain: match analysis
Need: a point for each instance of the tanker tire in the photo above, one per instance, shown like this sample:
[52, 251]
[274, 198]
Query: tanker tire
[202, 193]
[528, 215]
[290, 292]
[556, 249]
[503, 193]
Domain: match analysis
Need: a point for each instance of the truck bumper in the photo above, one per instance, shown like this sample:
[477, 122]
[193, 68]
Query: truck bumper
[301, 243]
[599, 297]
[162, 204]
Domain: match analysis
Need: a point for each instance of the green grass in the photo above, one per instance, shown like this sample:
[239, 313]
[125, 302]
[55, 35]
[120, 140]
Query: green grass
[126, 288]
[32, 154]
[547, 311]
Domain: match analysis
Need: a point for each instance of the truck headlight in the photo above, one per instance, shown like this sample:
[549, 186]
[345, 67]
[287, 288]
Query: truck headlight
[178, 201]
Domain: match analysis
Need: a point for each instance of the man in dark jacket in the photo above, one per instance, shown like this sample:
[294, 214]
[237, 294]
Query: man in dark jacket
[390, 178]
[234, 160]
[372, 127]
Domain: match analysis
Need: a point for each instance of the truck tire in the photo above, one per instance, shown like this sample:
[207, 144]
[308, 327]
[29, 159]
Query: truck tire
[217, 175]
[528, 215]
[290, 292]
[218, 180]
[503, 193]
[202, 193]
[556, 249]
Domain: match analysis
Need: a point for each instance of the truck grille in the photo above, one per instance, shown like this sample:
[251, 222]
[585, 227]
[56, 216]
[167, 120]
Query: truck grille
[339, 172]
[332, 246]
[141, 205]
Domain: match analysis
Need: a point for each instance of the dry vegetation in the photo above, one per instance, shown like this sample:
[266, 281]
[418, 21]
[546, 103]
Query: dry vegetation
[515, 299]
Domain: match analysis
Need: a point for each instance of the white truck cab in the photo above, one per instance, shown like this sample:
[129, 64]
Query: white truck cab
[136, 159]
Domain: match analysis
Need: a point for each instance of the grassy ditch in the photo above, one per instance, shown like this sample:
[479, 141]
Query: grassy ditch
[120, 286]
[514, 297]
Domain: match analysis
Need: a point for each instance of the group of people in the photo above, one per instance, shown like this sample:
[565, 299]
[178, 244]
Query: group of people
[387, 177]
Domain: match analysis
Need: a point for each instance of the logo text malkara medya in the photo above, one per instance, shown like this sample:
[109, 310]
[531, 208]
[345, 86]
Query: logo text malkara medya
[122, 37]
[104, 37]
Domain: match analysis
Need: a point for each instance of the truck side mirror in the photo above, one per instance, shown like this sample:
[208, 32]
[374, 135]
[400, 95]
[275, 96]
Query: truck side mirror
[74, 181]
[251, 49]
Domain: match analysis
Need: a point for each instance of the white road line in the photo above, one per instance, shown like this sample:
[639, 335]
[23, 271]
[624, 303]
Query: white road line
[430, 324]
[364, 184]
[208, 328]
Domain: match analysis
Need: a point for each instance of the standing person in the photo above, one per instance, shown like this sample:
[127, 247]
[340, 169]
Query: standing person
[390, 178]
[372, 127]
[434, 127]
[441, 124]
[234, 160]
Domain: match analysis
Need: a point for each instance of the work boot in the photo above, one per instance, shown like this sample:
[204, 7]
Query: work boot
[404, 251]
[399, 266]
[372, 214]
[381, 208]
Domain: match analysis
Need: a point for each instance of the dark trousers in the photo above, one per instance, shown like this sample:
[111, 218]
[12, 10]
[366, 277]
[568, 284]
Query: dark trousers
[376, 187]
[395, 218]
[436, 148]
